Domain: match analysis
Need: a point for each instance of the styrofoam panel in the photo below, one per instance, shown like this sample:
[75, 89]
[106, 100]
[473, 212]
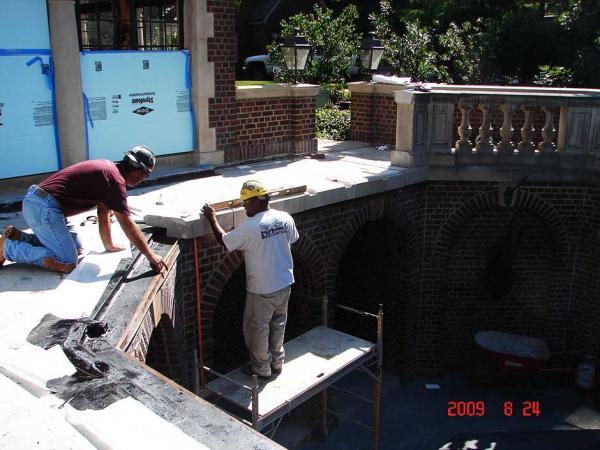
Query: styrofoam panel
[137, 98]
[27, 132]
[24, 24]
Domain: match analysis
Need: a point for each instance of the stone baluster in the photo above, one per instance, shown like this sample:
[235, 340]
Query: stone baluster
[526, 146]
[548, 132]
[484, 140]
[463, 145]
[505, 146]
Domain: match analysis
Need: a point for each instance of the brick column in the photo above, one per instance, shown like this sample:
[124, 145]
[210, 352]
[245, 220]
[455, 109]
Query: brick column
[302, 122]
[222, 49]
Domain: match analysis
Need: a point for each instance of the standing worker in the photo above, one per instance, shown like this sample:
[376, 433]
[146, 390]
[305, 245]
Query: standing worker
[74, 189]
[265, 238]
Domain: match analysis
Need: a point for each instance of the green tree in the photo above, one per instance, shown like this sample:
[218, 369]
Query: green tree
[334, 40]
[581, 25]
[465, 52]
[409, 51]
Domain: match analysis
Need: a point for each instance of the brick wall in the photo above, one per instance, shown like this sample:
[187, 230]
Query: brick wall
[278, 126]
[422, 252]
[373, 118]
[160, 341]
[222, 51]
[248, 130]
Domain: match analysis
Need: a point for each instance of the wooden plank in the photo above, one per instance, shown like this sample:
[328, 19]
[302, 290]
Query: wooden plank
[311, 359]
[279, 192]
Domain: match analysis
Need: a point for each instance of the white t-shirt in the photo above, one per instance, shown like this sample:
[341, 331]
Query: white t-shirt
[265, 240]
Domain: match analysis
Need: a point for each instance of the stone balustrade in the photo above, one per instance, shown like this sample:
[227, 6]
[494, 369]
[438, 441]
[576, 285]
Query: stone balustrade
[480, 125]
[493, 125]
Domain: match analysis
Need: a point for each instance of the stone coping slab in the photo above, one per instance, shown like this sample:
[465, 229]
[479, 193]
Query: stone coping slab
[276, 90]
[347, 170]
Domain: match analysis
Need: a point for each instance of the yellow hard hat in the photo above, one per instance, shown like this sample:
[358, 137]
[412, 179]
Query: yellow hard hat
[253, 188]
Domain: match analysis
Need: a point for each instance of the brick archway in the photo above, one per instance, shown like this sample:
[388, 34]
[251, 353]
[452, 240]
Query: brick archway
[534, 260]
[489, 200]
[215, 286]
[388, 209]
[376, 261]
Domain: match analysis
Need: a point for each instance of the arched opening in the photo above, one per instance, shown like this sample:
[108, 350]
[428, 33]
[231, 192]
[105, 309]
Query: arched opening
[304, 312]
[372, 271]
[229, 347]
[163, 355]
[518, 255]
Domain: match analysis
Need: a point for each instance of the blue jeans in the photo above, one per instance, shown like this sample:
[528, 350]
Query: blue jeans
[52, 238]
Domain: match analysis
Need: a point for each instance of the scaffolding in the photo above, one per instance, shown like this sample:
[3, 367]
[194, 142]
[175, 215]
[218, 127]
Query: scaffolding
[314, 362]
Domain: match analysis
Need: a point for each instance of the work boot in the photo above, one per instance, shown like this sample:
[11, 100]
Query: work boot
[247, 369]
[55, 266]
[12, 233]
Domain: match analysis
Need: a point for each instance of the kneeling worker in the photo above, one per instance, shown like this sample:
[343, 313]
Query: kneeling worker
[74, 189]
[265, 239]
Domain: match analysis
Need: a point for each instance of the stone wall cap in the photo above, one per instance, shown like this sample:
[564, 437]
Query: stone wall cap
[365, 87]
[276, 90]
[409, 96]
[512, 90]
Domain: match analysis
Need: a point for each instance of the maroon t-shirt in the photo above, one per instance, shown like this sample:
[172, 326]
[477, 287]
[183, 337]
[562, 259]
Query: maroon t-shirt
[87, 184]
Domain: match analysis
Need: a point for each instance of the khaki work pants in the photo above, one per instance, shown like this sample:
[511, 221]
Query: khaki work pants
[265, 316]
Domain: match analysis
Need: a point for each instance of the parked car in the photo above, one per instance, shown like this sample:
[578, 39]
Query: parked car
[260, 67]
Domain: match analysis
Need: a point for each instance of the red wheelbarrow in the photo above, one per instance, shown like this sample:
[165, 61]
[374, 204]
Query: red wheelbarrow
[513, 352]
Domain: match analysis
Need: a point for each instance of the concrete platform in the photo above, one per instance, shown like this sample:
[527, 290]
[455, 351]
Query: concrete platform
[314, 360]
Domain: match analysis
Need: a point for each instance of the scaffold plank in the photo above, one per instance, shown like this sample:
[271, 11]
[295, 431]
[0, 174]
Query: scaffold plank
[313, 361]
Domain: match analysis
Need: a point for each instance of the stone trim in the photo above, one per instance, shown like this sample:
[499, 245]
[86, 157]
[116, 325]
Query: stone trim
[279, 90]
[362, 87]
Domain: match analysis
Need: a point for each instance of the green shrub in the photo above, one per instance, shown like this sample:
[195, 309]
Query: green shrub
[332, 123]
[555, 76]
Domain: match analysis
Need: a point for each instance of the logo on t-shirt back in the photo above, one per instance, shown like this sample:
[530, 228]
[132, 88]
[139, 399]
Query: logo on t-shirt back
[273, 229]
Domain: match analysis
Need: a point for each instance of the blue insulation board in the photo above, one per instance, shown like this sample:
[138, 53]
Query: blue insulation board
[27, 133]
[137, 98]
[24, 24]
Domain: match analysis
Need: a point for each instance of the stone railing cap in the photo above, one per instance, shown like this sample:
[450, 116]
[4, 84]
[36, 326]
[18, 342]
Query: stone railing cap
[276, 90]
[364, 87]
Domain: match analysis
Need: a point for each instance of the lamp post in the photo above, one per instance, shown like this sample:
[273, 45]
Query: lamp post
[370, 53]
[295, 53]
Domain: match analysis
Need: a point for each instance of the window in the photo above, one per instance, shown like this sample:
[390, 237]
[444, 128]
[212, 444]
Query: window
[130, 24]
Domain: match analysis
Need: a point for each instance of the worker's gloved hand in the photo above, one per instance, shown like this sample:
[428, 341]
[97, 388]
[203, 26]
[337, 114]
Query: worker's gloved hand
[156, 263]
